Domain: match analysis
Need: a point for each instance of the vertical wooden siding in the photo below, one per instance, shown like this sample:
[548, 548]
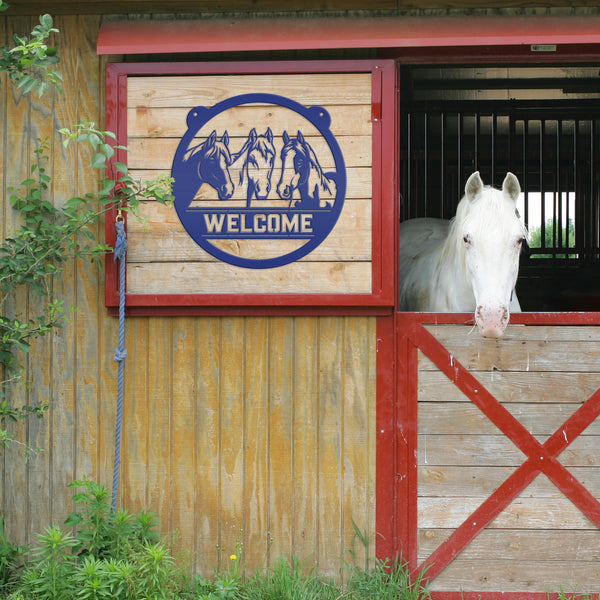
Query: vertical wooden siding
[253, 430]
[258, 431]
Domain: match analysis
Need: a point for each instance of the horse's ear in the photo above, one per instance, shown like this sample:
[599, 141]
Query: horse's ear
[269, 135]
[286, 138]
[474, 186]
[300, 137]
[225, 138]
[211, 139]
[252, 135]
[511, 186]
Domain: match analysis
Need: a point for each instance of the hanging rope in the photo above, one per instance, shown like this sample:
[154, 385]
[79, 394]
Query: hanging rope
[120, 352]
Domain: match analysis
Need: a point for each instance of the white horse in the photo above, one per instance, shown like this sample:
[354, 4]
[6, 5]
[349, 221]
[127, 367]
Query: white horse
[470, 263]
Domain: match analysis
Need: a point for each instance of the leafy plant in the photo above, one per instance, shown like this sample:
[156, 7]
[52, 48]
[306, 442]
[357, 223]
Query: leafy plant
[29, 63]
[103, 532]
[10, 554]
[52, 233]
[50, 574]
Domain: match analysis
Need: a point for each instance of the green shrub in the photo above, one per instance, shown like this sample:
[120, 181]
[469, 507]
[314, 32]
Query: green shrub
[10, 555]
[49, 575]
[104, 532]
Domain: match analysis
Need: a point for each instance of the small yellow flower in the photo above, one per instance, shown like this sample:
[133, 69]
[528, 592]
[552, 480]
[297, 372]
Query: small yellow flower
[233, 557]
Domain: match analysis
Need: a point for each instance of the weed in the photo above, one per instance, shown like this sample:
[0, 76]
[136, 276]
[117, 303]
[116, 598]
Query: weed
[10, 554]
[104, 532]
[49, 576]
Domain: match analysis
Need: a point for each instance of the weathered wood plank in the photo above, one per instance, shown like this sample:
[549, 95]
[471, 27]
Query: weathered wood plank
[475, 450]
[480, 481]
[522, 513]
[16, 168]
[135, 442]
[465, 418]
[495, 450]
[306, 484]
[182, 517]
[522, 387]
[232, 436]
[257, 491]
[513, 355]
[519, 576]
[158, 153]
[205, 90]
[208, 398]
[93, 450]
[359, 442]
[159, 471]
[148, 122]
[330, 511]
[519, 545]
[280, 363]
[317, 278]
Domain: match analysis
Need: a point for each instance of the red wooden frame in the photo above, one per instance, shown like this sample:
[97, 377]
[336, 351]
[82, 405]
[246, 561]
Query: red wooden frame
[381, 300]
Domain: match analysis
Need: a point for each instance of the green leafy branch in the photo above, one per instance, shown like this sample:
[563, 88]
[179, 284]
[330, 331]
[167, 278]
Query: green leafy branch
[50, 236]
[52, 233]
[29, 63]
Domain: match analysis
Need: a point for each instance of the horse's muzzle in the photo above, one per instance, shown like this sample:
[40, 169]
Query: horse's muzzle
[491, 321]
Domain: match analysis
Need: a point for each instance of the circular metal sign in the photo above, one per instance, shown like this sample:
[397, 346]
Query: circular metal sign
[267, 200]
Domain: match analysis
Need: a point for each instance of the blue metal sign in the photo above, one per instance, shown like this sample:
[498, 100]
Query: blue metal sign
[286, 194]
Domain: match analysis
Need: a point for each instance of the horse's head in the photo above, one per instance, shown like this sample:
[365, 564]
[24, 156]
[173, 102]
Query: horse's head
[260, 162]
[294, 151]
[492, 237]
[214, 160]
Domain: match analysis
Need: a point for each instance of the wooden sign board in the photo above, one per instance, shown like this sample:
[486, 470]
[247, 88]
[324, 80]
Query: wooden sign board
[279, 194]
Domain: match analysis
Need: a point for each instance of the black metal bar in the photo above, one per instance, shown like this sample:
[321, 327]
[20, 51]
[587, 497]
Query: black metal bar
[442, 163]
[542, 188]
[525, 169]
[426, 162]
[459, 161]
[494, 153]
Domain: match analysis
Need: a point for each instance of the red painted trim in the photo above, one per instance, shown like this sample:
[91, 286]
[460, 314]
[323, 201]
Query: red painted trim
[382, 297]
[512, 596]
[223, 35]
[388, 515]
[116, 122]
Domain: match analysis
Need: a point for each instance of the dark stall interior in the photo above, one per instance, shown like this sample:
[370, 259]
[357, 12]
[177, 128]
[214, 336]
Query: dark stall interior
[543, 124]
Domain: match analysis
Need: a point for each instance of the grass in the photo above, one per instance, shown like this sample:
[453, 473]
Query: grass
[106, 554]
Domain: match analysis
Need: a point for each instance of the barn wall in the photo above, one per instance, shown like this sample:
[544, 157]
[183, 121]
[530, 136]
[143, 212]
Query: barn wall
[252, 430]
[259, 430]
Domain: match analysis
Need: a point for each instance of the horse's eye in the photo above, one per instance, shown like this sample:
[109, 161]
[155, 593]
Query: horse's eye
[521, 241]
[467, 240]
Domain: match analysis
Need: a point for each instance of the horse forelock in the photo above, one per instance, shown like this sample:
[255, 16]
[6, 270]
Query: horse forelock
[490, 211]
[264, 146]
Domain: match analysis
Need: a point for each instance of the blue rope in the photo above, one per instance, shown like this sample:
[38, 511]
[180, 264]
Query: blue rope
[120, 352]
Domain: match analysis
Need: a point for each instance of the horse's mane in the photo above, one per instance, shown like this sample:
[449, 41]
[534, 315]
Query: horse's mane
[261, 144]
[218, 146]
[314, 161]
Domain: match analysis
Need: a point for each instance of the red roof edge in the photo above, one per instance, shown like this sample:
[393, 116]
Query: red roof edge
[223, 35]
